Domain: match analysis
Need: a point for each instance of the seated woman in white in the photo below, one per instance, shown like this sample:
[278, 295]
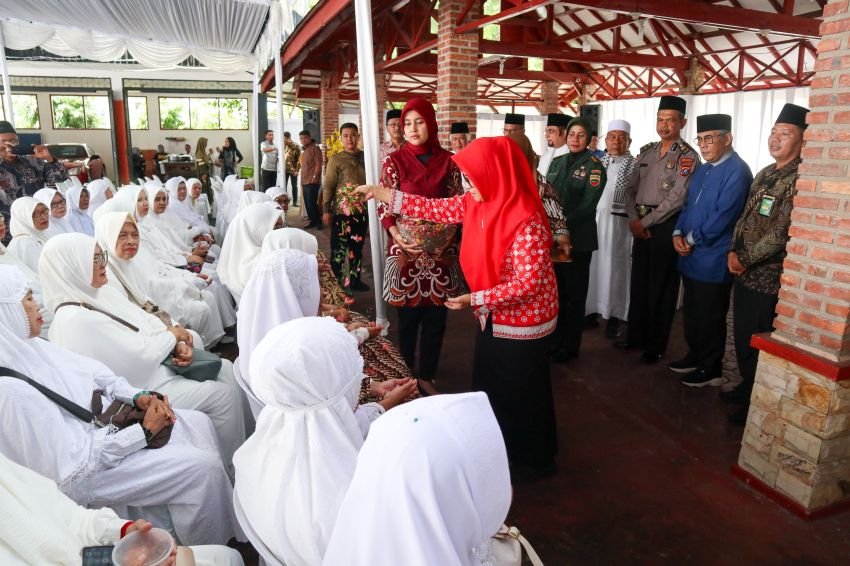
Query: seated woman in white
[31, 277]
[134, 199]
[241, 248]
[100, 191]
[435, 473]
[73, 270]
[98, 466]
[77, 199]
[197, 201]
[247, 198]
[292, 472]
[180, 206]
[134, 273]
[53, 199]
[41, 525]
[29, 228]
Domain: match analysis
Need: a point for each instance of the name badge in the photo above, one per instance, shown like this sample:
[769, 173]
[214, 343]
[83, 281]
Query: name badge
[766, 206]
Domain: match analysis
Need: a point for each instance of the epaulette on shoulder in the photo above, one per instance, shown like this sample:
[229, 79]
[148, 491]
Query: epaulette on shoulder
[685, 147]
[595, 159]
[648, 146]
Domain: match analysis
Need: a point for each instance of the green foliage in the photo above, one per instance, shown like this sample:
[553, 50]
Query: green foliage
[203, 113]
[535, 64]
[233, 113]
[174, 113]
[80, 112]
[26, 111]
[137, 108]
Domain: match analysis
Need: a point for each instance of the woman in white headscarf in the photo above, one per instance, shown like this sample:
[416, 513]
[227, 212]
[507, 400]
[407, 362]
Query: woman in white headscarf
[31, 277]
[247, 198]
[78, 200]
[197, 201]
[134, 272]
[72, 270]
[98, 466]
[29, 229]
[180, 204]
[292, 472]
[436, 472]
[243, 244]
[41, 525]
[53, 199]
[100, 191]
[290, 238]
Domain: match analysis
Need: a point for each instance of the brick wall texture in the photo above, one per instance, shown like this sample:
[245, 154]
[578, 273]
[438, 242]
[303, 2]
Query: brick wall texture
[814, 308]
[329, 107]
[457, 70]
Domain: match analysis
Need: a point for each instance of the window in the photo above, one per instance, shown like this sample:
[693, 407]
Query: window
[25, 108]
[74, 112]
[137, 109]
[203, 113]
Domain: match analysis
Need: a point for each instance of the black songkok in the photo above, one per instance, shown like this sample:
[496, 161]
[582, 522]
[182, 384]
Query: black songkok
[793, 114]
[459, 128]
[673, 103]
[515, 119]
[711, 122]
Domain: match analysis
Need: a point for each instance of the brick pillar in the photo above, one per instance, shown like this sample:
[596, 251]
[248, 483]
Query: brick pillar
[381, 96]
[549, 92]
[457, 69]
[796, 445]
[329, 107]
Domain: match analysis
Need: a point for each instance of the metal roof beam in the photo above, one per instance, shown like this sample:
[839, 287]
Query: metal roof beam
[577, 55]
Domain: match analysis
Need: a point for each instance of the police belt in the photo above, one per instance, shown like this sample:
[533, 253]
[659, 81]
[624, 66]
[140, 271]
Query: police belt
[644, 209]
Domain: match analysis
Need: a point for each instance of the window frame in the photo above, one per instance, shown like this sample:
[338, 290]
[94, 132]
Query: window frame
[147, 113]
[85, 121]
[37, 109]
[189, 111]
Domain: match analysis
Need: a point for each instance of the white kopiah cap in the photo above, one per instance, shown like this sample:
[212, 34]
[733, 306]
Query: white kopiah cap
[620, 125]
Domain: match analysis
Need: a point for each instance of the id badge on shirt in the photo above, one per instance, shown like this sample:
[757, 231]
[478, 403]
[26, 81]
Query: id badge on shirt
[766, 206]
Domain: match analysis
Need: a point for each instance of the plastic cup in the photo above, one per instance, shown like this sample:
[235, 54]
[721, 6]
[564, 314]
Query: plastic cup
[143, 549]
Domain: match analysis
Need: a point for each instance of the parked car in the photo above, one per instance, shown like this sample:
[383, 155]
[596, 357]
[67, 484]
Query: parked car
[75, 157]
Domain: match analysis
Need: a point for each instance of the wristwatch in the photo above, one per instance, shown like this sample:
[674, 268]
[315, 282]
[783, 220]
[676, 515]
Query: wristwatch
[148, 435]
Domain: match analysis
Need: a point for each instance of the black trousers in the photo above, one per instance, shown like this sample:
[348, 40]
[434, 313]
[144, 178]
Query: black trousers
[654, 288]
[432, 322]
[293, 179]
[268, 178]
[573, 281]
[752, 312]
[705, 307]
[515, 376]
[310, 194]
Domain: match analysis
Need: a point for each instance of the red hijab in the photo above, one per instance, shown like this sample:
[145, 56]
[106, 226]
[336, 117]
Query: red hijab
[429, 179]
[500, 172]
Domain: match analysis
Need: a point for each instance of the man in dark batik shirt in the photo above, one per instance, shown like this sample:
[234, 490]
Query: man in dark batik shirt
[758, 247]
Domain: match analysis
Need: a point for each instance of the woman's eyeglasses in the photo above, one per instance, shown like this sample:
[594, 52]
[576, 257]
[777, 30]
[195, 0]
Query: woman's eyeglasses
[58, 204]
[101, 259]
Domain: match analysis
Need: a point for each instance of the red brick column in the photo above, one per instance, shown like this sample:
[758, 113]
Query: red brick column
[549, 93]
[457, 69]
[796, 445]
[329, 107]
[381, 96]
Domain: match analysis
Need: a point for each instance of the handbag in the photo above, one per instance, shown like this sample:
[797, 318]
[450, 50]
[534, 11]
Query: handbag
[204, 367]
[506, 548]
[119, 414]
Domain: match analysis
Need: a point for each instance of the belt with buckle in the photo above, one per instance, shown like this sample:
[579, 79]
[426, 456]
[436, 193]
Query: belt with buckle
[644, 209]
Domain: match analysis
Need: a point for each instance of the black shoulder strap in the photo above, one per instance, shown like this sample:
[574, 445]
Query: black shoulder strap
[103, 312]
[70, 406]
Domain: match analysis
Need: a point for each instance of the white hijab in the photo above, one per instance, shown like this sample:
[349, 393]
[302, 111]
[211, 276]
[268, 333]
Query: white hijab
[184, 209]
[167, 223]
[97, 194]
[22, 225]
[247, 198]
[241, 248]
[232, 192]
[57, 225]
[79, 219]
[66, 271]
[107, 228]
[435, 471]
[274, 192]
[284, 286]
[292, 473]
[290, 238]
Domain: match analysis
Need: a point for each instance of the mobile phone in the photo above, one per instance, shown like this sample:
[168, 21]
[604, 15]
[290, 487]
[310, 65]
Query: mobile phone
[24, 149]
[97, 556]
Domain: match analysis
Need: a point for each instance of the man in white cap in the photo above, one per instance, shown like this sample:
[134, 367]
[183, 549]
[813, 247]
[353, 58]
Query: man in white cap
[611, 264]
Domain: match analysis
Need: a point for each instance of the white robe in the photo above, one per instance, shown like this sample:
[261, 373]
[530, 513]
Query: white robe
[57, 225]
[8, 258]
[243, 244]
[27, 241]
[611, 265]
[79, 219]
[135, 355]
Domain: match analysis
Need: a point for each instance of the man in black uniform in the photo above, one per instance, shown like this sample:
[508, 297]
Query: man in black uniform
[654, 196]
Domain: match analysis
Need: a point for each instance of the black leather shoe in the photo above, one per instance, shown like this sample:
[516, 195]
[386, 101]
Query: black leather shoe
[650, 357]
[612, 328]
[562, 356]
[703, 377]
[623, 345]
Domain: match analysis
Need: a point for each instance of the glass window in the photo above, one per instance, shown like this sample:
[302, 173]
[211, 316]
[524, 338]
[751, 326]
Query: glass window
[25, 107]
[174, 113]
[80, 112]
[234, 113]
[137, 109]
[203, 113]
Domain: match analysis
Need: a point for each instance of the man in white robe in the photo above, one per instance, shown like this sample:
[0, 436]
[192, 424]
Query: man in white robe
[610, 267]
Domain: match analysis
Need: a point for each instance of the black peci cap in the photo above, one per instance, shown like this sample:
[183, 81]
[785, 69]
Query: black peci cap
[793, 114]
[394, 113]
[673, 103]
[557, 119]
[710, 122]
[459, 128]
[515, 119]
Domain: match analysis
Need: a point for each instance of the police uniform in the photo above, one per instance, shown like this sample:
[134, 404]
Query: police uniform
[655, 194]
[578, 181]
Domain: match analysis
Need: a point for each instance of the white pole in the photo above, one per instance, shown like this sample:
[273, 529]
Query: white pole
[7, 86]
[278, 103]
[255, 125]
[371, 141]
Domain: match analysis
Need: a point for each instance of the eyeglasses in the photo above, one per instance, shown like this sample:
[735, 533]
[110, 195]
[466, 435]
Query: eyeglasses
[40, 212]
[55, 205]
[101, 259]
[709, 139]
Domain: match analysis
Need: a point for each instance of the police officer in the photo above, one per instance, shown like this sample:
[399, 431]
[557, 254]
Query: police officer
[654, 196]
[578, 178]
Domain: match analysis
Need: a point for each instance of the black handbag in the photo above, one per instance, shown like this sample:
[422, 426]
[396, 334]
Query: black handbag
[119, 414]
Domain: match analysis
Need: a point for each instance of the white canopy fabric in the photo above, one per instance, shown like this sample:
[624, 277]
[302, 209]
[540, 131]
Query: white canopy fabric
[157, 33]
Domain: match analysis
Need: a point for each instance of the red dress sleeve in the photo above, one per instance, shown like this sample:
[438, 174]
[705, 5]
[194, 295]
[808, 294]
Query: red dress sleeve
[443, 210]
[389, 179]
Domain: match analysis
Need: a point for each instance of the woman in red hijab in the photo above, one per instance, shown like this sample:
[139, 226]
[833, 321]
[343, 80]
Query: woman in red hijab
[422, 268]
[505, 256]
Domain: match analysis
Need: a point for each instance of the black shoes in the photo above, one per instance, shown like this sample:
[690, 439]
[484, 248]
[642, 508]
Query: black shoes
[685, 365]
[612, 328]
[624, 345]
[650, 357]
[702, 378]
